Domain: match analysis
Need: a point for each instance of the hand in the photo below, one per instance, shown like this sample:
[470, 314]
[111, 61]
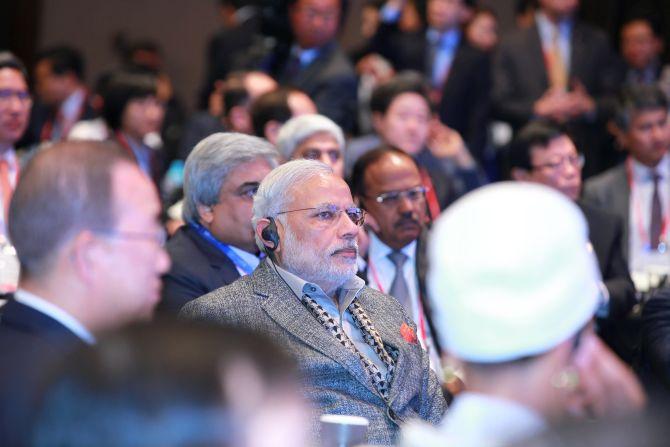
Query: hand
[553, 104]
[607, 386]
[581, 102]
[444, 142]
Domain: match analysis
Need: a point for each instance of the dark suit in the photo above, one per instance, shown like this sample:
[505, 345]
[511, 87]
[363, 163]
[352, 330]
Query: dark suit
[330, 80]
[465, 100]
[333, 377]
[197, 268]
[619, 331]
[656, 334]
[30, 342]
[520, 79]
[42, 118]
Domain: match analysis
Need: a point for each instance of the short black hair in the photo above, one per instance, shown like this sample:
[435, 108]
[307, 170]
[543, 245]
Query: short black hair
[536, 133]
[63, 60]
[357, 181]
[270, 106]
[404, 82]
[637, 98]
[8, 60]
[121, 88]
[642, 16]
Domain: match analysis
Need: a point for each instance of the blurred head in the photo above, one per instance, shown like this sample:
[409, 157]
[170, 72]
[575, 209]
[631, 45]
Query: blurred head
[131, 105]
[314, 23]
[641, 123]
[100, 238]
[386, 183]
[221, 177]
[174, 385]
[558, 9]
[482, 30]
[314, 137]
[59, 71]
[316, 222]
[641, 44]
[542, 152]
[272, 109]
[446, 14]
[15, 100]
[512, 300]
[401, 112]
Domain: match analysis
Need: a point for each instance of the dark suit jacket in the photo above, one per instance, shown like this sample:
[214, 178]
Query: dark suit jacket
[465, 100]
[197, 268]
[520, 78]
[41, 116]
[656, 334]
[334, 379]
[330, 80]
[30, 342]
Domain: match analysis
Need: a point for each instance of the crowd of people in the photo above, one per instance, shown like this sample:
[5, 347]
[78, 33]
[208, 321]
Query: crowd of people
[454, 237]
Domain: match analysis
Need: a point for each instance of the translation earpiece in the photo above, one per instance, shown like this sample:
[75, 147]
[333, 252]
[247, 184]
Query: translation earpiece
[270, 234]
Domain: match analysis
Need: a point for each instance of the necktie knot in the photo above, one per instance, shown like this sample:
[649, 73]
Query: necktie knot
[398, 258]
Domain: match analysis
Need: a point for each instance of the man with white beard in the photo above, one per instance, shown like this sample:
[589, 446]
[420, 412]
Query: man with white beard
[356, 347]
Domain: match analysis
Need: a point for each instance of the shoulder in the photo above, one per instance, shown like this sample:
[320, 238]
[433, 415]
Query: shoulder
[606, 179]
[518, 38]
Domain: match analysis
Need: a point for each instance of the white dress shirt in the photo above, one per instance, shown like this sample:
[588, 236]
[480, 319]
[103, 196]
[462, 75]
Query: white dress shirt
[251, 259]
[13, 163]
[41, 305]
[547, 28]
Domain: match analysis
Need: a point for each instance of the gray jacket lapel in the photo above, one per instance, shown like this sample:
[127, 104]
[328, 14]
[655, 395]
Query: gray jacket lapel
[280, 304]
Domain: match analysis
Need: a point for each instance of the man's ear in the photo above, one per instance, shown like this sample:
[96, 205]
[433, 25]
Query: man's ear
[520, 174]
[205, 213]
[83, 252]
[618, 133]
[261, 227]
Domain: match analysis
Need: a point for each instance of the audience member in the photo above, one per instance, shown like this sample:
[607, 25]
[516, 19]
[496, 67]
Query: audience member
[543, 153]
[641, 48]
[314, 61]
[234, 100]
[135, 115]
[84, 222]
[62, 98]
[216, 246]
[15, 104]
[401, 116]
[637, 189]
[314, 137]
[173, 385]
[458, 73]
[356, 347]
[272, 109]
[386, 183]
[562, 69]
[528, 368]
[482, 29]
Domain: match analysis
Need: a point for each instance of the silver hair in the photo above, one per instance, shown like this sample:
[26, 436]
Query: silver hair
[272, 194]
[296, 130]
[212, 160]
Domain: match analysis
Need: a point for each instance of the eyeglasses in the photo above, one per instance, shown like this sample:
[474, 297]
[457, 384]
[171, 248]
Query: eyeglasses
[6, 96]
[576, 161]
[329, 214]
[392, 198]
[159, 237]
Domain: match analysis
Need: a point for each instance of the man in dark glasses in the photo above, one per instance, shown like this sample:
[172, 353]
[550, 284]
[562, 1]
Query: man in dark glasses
[357, 348]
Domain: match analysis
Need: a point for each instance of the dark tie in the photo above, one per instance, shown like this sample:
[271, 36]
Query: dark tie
[656, 215]
[399, 289]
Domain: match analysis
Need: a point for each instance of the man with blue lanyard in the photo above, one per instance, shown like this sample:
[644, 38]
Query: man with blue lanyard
[216, 246]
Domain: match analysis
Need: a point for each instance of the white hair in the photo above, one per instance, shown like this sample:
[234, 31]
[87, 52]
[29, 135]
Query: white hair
[273, 192]
[296, 130]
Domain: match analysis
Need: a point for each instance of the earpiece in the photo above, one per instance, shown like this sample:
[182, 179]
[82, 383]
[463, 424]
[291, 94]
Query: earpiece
[270, 234]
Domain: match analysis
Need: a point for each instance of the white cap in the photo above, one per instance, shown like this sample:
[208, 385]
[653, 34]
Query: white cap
[511, 273]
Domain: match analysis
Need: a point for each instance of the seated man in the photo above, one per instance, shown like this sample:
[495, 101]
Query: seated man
[272, 109]
[387, 184]
[315, 137]
[637, 190]
[216, 246]
[543, 153]
[401, 116]
[84, 222]
[357, 348]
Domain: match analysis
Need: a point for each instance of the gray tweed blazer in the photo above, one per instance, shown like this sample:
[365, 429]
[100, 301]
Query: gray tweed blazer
[334, 380]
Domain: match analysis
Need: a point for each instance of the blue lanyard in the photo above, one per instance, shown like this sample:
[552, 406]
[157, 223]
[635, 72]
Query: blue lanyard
[223, 248]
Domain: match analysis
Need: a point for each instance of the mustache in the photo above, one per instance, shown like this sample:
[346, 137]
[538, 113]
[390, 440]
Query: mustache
[350, 245]
[406, 221]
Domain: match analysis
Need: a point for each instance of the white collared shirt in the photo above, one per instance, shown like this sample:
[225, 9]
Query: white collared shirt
[546, 28]
[12, 161]
[41, 305]
[642, 259]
